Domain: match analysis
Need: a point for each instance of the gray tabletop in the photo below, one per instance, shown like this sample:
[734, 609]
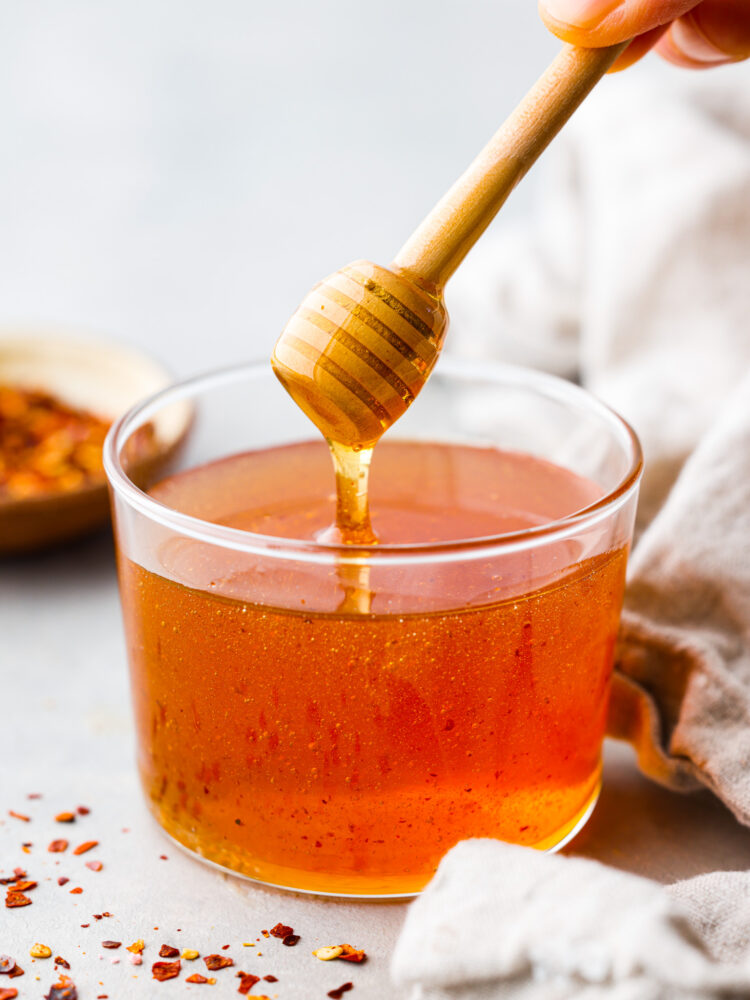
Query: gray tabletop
[176, 175]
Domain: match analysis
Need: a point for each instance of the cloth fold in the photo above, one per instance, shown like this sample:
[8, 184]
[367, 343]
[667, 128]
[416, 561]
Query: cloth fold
[500, 921]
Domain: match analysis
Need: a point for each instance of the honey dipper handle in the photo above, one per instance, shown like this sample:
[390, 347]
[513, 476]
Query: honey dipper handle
[440, 243]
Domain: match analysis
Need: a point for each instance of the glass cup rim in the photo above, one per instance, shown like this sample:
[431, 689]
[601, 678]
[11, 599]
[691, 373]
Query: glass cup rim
[309, 550]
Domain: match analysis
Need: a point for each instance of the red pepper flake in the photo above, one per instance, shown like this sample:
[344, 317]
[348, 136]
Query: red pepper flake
[340, 991]
[15, 815]
[197, 978]
[166, 970]
[248, 980]
[106, 913]
[85, 925]
[65, 817]
[62, 962]
[83, 810]
[163, 857]
[270, 979]
[225, 946]
[76, 891]
[214, 962]
[58, 846]
[87, 845]
[167, 951]
[63, 880]
[290, 940]
[281, 931]
[14, 899]
[63, 989]
[15, 971]
[264, 933]
[350, 954]
[111, 944]
[23, 886]
[95, 866]
[8, 993]
[26, 848]
[6, 964]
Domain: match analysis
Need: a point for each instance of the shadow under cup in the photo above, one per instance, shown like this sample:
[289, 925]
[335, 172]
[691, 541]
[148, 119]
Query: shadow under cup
[302, 740]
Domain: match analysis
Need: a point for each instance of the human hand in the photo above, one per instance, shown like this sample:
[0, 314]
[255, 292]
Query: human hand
[693, 33]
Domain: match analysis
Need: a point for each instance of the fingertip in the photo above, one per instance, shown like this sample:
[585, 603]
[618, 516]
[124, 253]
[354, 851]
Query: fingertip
[683, 46]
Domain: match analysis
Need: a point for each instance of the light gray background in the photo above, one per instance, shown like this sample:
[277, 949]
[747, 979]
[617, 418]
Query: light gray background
[175, 175]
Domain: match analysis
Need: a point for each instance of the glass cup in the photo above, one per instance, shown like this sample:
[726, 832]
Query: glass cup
[302, 738]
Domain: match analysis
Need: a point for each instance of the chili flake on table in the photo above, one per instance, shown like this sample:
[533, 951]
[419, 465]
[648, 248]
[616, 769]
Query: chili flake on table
[46, 446]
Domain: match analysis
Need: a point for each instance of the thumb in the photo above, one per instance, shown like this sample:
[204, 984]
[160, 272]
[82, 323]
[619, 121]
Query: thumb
[715, 32]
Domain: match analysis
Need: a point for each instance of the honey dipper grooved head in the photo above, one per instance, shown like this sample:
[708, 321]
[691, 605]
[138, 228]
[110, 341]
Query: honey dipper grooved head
[358, 350]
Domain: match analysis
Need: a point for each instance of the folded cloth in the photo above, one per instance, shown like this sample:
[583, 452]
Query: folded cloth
[500, 921]
[636, 278]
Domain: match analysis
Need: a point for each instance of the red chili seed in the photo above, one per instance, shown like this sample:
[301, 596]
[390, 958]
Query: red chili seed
[87, 845]
[166, 970]
[290, 940]
[111, 944]
[214, 962]
[58, 846]
[167, 951]
[63, 880]
[65, 817]
[340, 991]
[281, 931]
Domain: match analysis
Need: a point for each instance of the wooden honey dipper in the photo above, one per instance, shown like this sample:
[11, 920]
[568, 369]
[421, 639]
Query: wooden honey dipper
[363, 342]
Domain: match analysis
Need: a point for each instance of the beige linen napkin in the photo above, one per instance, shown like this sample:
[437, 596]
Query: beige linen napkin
[635, 275]
[501, 922]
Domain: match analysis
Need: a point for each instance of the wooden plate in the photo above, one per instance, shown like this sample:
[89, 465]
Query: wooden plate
[96, 376]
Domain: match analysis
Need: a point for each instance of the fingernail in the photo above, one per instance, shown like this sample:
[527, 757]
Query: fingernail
[692, 43]
[580, 13]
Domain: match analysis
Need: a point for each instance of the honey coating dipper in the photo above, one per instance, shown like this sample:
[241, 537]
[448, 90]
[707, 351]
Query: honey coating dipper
[363, 342]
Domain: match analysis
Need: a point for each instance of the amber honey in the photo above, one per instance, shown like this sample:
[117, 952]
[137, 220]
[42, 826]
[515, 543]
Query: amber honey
[339, 751]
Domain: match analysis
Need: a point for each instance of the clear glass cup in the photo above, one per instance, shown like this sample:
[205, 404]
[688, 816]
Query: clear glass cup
[290, 734]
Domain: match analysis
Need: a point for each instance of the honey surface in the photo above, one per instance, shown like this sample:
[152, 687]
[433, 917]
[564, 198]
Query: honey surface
[345, 752]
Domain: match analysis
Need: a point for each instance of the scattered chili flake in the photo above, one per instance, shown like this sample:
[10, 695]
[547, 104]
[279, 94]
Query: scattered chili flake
[328, 952]
[83, 810]
[8, 993]
[95, 866]
[15, 815]
[196, 978]
[264, 933]
[106, 913]
[290, 940]
[135, 959]
[98, 916]
[280, 931]
[166, 970]
[87, 845]
[14, 899]
[85, 925]
[248, 980]
[40, 951]
[15, 971]
[111, 944]
[62, 962]
[224, 947]
[214, 962]
[137, 946]
[26, 848]
[65, 817]
[34, 795]
[63, 880]
[270, 979]
[163, 857]
[76, 891]
[350, 954]
[19, 873]
[58, 846]
[167, 951]
[190, 954]
[63, 989]
[23, 886]
[340, 991]
[6, 964]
